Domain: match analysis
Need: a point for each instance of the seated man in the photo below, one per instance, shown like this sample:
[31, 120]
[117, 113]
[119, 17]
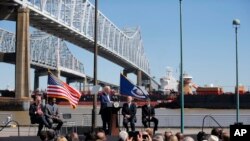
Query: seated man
[36, 112]
[52, 113]
[148, 115]
[129, 114]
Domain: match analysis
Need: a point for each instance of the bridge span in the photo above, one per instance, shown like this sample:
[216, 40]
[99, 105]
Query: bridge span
[73, 21]
[47, 52]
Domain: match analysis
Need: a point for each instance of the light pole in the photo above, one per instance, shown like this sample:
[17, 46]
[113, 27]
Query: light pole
[236, 24]
[95, 67]
[181, 75]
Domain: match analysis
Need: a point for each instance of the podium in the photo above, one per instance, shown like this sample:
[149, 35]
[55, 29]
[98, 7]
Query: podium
[114, 109]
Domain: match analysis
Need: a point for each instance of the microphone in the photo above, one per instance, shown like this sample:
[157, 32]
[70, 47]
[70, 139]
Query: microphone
[115, 98]
[212, 119]
[202, 135]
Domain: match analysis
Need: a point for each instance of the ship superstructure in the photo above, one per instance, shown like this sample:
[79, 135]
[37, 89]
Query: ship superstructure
[168, 83]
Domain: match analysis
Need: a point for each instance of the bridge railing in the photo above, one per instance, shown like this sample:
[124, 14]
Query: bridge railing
[44, 51]
[7, 41]
[78, 16]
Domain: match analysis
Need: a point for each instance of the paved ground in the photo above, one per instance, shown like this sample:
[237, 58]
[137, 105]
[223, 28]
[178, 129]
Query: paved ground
[22, 118]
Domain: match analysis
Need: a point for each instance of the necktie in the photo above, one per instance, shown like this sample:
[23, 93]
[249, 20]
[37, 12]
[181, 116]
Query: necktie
[53, 110]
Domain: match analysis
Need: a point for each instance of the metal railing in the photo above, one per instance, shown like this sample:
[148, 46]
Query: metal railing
[165, 121]
[45, 51]
[6, 121]
[4, 118]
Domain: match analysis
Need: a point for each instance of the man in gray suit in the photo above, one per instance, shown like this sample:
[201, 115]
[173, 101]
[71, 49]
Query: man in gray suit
[52, 113]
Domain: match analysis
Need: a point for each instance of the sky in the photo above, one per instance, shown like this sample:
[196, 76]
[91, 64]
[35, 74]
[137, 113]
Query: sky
[208, 40]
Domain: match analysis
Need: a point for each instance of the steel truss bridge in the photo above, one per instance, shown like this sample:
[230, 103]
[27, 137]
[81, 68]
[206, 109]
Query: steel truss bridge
[46, 51]
[73, 21]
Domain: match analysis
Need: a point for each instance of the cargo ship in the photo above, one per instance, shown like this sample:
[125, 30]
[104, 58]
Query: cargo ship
[208, 99]
[168, 95]
[196, 96]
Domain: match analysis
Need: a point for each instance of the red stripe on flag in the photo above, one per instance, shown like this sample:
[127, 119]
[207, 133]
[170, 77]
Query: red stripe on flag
[61, 89]
[52, 88]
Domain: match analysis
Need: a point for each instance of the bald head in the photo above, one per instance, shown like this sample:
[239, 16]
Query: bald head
[129, 99]
[101, 135]
[106, 89]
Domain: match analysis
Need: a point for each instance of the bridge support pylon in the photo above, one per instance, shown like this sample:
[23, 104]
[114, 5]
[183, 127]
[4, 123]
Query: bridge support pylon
[37, 74]
[137, 72]
[81, 81]
[22, 72]
[36, 80]
[139, 78]
[125, 73]
[85, 85]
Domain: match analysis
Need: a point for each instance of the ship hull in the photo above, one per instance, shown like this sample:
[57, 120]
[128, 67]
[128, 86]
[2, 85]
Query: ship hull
[224, 101]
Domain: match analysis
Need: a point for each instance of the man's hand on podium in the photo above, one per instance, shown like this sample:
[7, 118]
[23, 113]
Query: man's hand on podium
[127, 116]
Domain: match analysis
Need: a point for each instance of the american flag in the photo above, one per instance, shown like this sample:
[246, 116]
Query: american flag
[59, 89]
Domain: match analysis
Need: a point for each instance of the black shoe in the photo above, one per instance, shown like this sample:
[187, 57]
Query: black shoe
[54, 128]
[56, 132]
[48, 125]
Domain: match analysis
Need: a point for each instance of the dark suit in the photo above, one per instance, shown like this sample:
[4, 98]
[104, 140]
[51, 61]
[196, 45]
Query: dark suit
[105, 111]
[39, 119]
[126, 110]
[148, 114]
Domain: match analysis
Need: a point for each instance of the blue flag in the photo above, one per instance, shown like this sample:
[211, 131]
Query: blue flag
[129, 89]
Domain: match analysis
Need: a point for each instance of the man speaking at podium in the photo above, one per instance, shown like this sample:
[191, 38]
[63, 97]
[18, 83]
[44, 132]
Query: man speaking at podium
[104, 111]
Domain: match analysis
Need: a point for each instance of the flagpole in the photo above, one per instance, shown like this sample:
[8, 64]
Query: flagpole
[181, 75]
[95, 68]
